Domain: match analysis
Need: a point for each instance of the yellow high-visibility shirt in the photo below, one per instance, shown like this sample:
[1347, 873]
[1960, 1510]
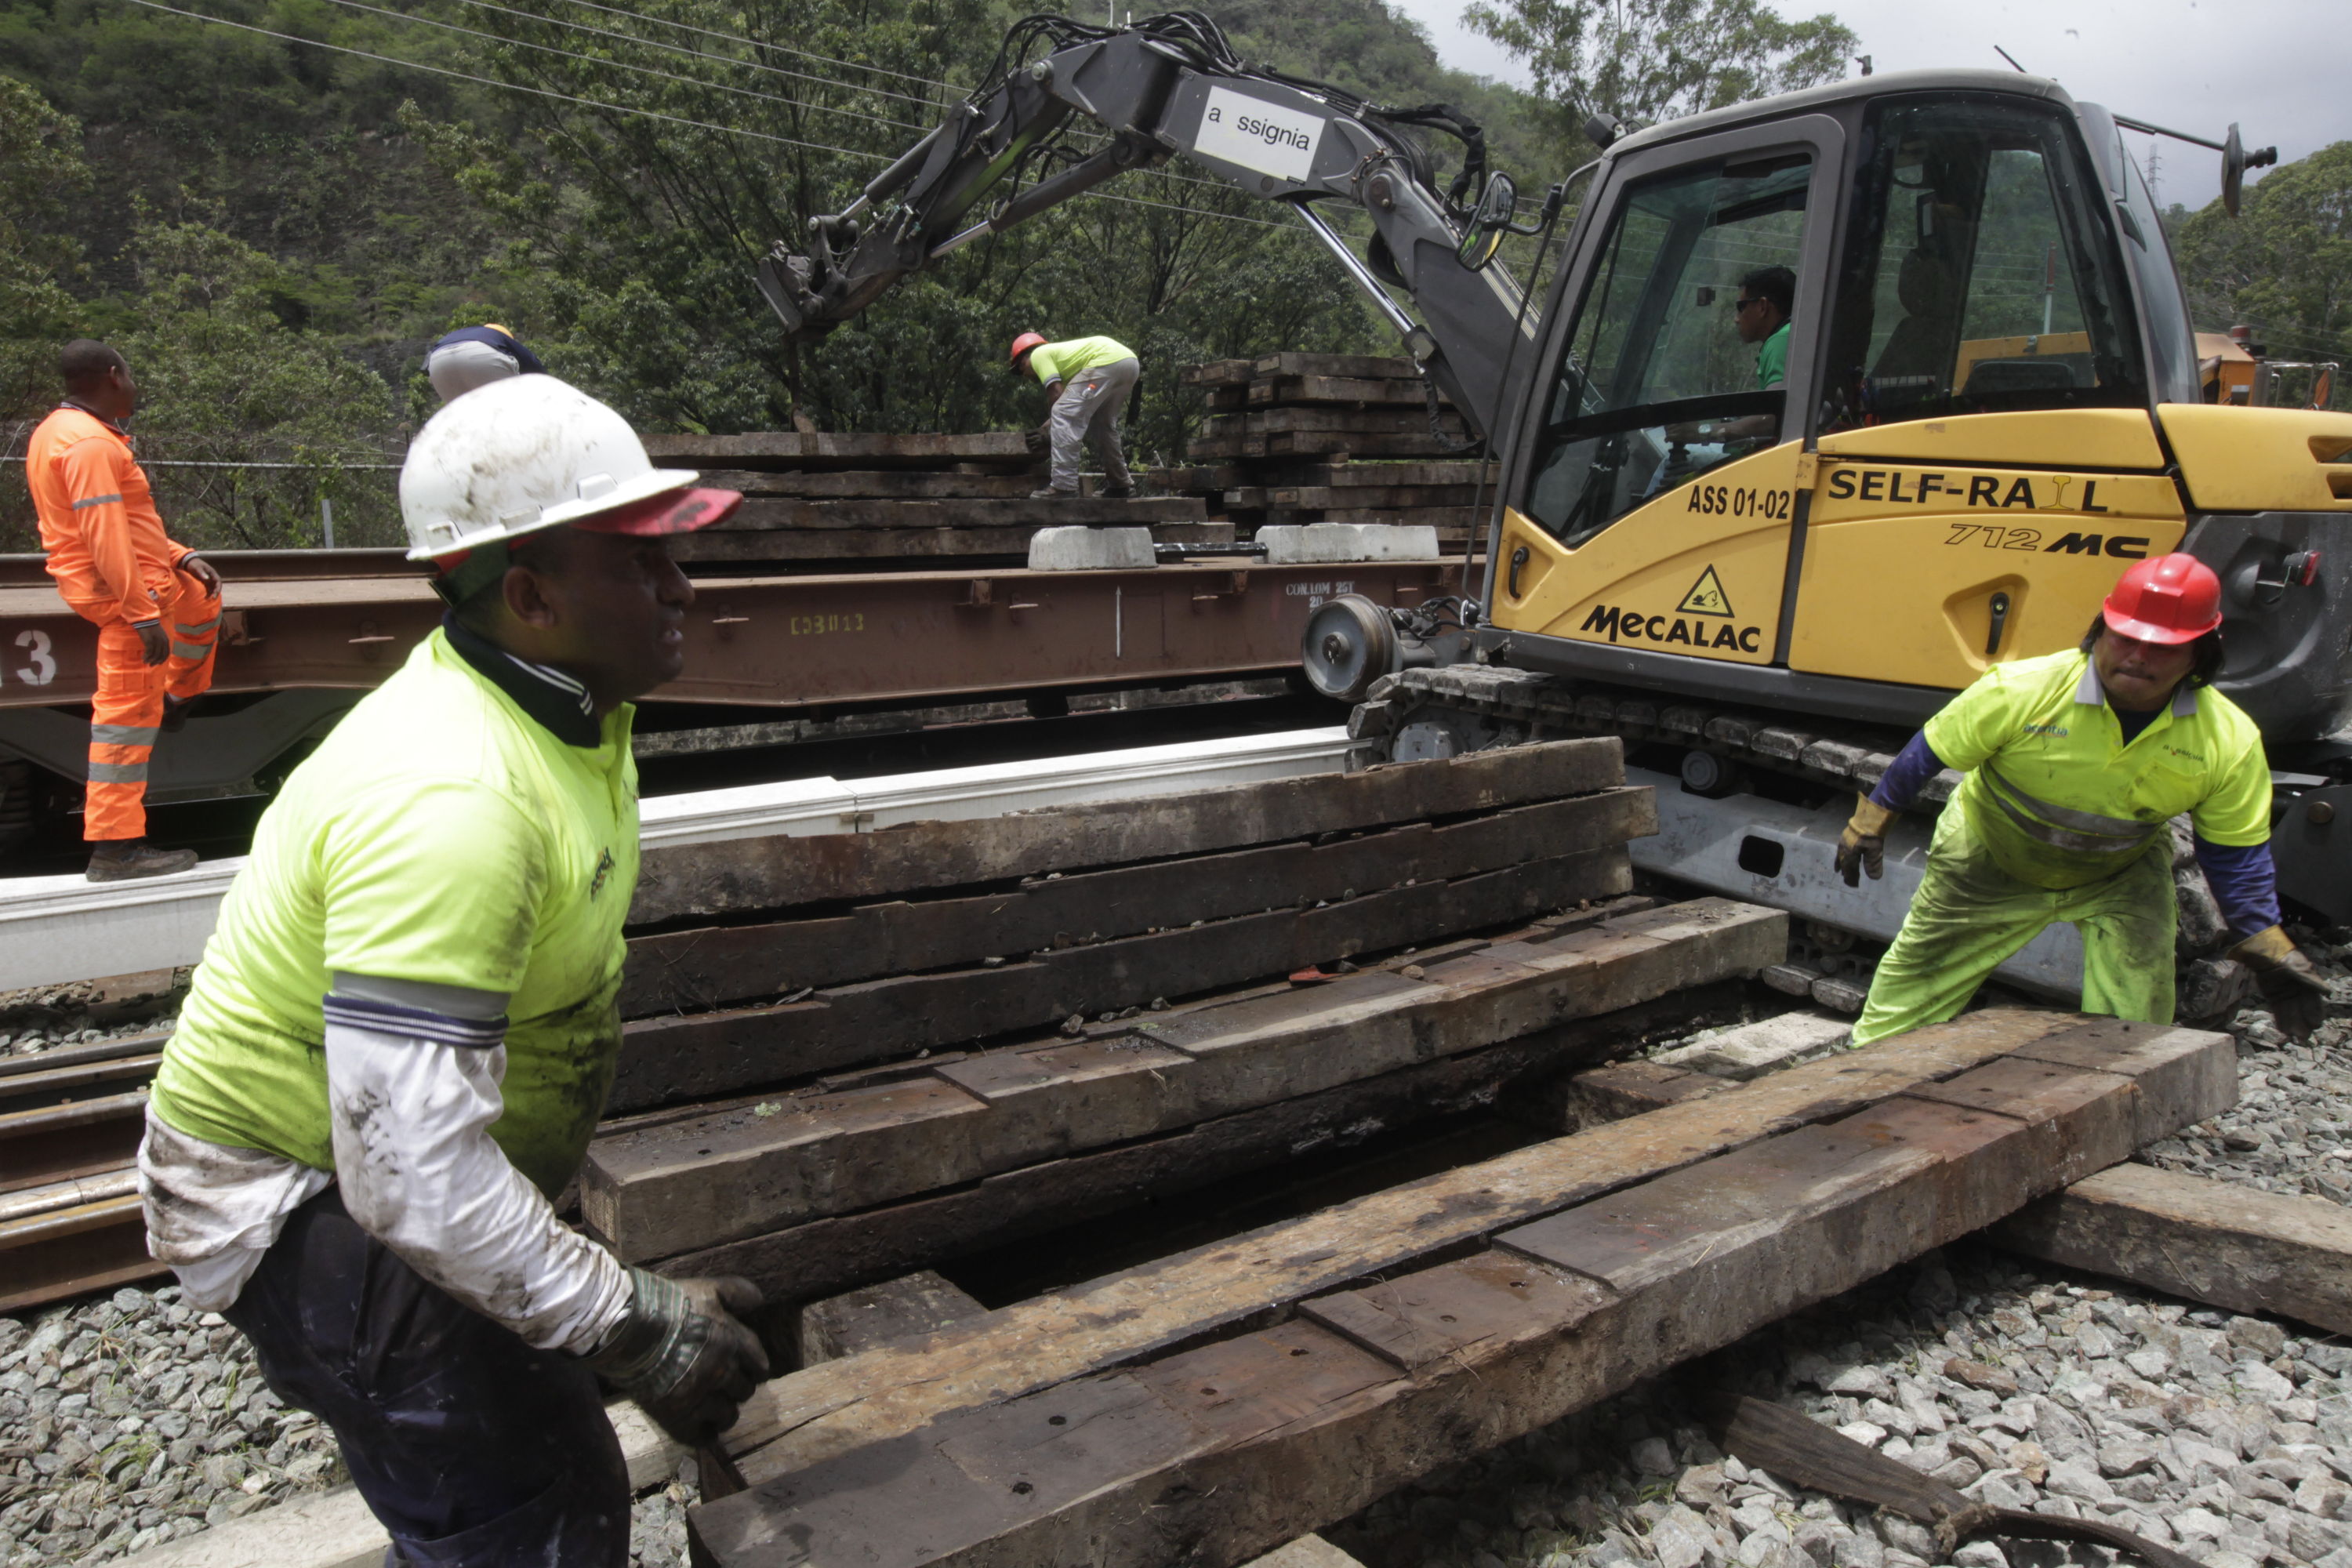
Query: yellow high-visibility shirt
[441, 832]
[1059, 362]
[2059, 799]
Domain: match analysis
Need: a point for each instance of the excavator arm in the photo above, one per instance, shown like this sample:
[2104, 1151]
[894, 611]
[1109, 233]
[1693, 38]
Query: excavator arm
[1171, 85]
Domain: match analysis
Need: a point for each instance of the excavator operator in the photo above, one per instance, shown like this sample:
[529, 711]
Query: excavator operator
[2077, 761]
[1760, 314]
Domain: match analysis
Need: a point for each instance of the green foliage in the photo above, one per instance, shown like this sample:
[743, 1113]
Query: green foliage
[41, 172]
[226, 382]
[638, 239]
[274, 232]
[246, 424]
[1647, 61]
[2284, 265]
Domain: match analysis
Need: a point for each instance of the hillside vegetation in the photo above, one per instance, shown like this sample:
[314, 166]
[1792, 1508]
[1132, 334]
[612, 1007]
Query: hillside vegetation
[275, 231]
[275, 210]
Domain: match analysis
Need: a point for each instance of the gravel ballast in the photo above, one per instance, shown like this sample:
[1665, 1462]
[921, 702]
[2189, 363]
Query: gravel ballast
[2227, 1437]
[129, 1418]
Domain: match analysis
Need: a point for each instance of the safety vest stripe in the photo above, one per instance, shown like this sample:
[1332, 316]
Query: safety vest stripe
[123, 734]
[195, 650]
[2068, 816]
[2064, 838]
[97, 500]
[118, 772]
[199, 629]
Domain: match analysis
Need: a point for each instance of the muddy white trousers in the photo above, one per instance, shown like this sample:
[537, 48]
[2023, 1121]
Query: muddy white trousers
[1086, 413]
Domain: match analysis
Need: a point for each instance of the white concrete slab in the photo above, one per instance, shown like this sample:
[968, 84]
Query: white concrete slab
[1317, 544]
[1081, 549]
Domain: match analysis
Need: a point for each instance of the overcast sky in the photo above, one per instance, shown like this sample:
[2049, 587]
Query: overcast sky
[2274, 65]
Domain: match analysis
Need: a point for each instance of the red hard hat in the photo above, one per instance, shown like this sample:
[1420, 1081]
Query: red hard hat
[2174, 598]
[1024, 343]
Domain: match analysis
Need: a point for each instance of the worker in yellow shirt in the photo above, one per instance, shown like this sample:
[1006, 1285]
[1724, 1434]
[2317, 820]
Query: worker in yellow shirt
[2076, 763]
[397, 1046]
[1089, 380]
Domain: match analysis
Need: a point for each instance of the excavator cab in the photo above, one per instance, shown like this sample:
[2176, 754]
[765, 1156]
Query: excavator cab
[1989, 406]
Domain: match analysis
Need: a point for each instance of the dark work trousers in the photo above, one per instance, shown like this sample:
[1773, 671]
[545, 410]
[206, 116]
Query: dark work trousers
[470, 1447]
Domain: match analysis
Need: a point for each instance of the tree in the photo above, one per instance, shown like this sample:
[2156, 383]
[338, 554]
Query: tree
[2284, 266]
[1646, 61]
[41, 166]
[636, 239]
[226, 382]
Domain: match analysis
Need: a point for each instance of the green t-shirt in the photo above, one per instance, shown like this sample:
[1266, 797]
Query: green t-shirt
[438, 834]
[1059, 362]
[2046, 761]
[1772, 360]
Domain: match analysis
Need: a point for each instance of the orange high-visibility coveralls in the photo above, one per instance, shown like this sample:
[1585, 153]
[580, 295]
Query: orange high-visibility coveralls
[116, 569]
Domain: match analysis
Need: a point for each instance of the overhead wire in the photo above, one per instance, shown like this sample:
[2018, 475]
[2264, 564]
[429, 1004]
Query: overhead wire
[763, 44]
[645, 113]
[699, 81]
[626, 66]
[509, 86]
[697, 54]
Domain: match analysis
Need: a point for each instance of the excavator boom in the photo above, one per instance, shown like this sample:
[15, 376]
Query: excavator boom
[1171, 85]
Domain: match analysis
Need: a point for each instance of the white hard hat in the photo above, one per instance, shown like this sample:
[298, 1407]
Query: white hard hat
[520, 455]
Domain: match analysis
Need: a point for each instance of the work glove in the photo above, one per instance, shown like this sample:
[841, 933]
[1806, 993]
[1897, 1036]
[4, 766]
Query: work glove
[153, 641]
[682, 1354]
[2272, 951]
[1037, 441]
[1862, 845]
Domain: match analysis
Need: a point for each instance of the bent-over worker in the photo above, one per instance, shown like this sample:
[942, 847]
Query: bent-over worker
[477, 356]
[1089, 380]
[156, 605]
[2076, 763]
[400, 1038]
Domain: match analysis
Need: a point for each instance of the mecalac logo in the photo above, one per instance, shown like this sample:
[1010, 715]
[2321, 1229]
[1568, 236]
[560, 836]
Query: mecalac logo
[1707, 598]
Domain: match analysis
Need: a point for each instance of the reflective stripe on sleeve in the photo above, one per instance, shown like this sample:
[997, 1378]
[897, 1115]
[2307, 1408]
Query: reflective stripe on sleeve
[96, 500]
[123, 734]
[118, 772]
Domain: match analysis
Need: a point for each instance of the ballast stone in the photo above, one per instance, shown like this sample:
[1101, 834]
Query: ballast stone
[1319, 544]
[1082, 548]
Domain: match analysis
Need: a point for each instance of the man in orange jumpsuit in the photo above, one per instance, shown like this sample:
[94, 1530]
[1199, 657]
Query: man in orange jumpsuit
[156, 607]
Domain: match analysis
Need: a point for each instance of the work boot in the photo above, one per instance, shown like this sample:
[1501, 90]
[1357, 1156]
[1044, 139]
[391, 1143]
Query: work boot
[1118, 492]
[125, 859]
[1050, 493]
[175, 715]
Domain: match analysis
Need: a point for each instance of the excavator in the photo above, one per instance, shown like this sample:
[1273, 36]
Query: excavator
[1991, 405]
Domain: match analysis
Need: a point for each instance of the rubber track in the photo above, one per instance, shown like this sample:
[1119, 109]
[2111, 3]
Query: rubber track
[1546, 707]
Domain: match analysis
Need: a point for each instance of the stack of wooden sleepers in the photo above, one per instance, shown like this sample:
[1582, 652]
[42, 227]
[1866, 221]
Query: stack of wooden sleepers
[855, 1055]
[1297, 438]
[1207, 1406]
[882, 497]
